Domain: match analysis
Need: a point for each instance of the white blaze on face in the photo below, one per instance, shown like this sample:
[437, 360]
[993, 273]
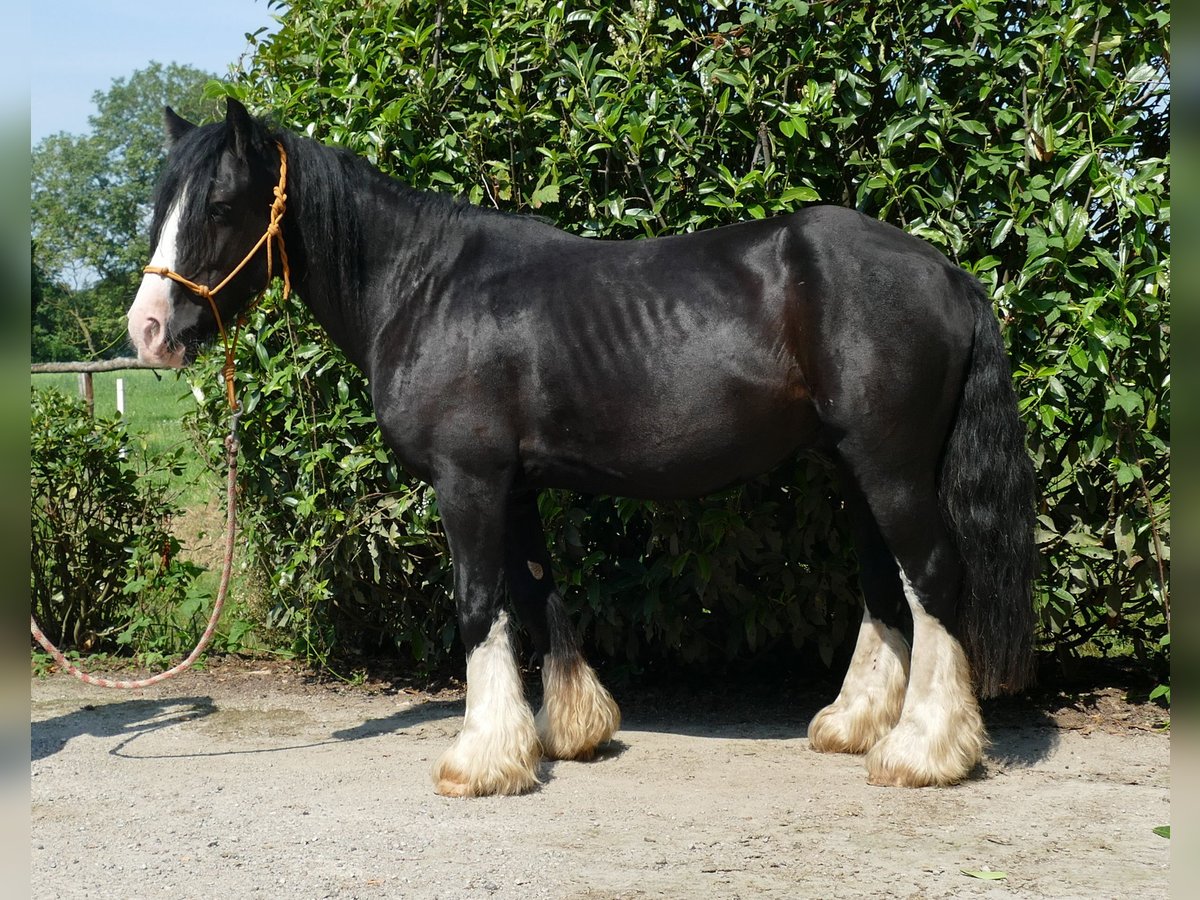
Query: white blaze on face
[152, 320]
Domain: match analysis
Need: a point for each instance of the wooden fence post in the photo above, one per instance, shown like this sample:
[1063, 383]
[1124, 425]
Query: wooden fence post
[87, 391]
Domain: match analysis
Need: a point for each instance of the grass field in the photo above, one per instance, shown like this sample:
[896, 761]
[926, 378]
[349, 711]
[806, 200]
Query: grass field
[155, 403]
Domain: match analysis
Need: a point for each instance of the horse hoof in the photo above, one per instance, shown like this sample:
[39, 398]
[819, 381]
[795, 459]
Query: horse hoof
[578, 714]
[449, 783]
[837, 729]
[908, 757]
[580, 742]
[449, 780]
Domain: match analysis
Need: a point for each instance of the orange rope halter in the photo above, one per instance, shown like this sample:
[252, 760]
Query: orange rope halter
[274, 230]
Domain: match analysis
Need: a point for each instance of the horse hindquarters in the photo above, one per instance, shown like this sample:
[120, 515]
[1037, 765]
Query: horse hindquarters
[956, 529]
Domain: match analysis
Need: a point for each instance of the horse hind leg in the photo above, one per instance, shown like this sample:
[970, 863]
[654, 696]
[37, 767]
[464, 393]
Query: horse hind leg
[939, 738]
[578, 714]
[872, 694]
[871, 698]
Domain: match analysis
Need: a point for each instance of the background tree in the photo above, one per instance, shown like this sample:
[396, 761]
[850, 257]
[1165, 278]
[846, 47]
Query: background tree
[90, 207]
[49, 309]
[1030, 142]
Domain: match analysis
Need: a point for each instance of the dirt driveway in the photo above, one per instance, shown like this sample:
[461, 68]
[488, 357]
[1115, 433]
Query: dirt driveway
[248, 781]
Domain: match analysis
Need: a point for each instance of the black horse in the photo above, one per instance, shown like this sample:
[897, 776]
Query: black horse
[506, 356]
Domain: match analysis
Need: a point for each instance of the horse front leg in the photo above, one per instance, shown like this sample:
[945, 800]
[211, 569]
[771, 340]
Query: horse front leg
[497, 750]
[578, 714]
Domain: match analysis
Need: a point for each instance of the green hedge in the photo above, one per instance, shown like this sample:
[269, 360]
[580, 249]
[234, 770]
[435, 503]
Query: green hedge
[1029, 141]
[105, 568]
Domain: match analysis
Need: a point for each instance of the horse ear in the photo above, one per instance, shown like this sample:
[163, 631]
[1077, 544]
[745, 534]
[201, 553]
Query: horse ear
[239, 128]
[176, 125]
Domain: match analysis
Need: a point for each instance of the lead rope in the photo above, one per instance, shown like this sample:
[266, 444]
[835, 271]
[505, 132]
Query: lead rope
[232, 444]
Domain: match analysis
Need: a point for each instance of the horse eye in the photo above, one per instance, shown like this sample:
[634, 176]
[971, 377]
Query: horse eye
[218, 210]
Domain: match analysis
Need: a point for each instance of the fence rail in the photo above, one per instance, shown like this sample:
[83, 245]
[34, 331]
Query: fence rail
[95, 365]
[86, 369]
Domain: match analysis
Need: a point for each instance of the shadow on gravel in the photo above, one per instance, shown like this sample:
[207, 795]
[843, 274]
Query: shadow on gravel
[410, 717]
[739, 710]
[127, 718]
[131, 719]
[604, 753]
[1022, 732]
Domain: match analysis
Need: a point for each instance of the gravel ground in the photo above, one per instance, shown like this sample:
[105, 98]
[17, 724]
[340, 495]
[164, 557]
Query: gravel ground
[251, 780]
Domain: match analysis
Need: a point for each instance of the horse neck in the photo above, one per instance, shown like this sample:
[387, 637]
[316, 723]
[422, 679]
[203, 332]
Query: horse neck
[361, 239]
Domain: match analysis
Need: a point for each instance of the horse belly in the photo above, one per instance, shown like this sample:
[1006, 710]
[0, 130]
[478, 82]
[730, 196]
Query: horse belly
[668, 445]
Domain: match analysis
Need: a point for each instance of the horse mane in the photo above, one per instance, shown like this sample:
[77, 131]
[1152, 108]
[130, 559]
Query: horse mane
[326, 186]
[323, 183]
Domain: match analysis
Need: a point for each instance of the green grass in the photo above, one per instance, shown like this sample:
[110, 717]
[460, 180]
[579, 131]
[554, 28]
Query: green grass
[154, 403]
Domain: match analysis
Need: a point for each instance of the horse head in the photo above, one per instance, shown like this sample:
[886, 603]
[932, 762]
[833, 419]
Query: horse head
[217, 213]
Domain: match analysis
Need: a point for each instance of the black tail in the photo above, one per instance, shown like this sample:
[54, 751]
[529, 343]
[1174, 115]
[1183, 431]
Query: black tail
[987, 494]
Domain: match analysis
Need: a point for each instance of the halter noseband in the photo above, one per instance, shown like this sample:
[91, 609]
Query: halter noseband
[274, 230]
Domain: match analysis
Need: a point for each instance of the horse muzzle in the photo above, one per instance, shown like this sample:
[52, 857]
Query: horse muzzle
[150, 319]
